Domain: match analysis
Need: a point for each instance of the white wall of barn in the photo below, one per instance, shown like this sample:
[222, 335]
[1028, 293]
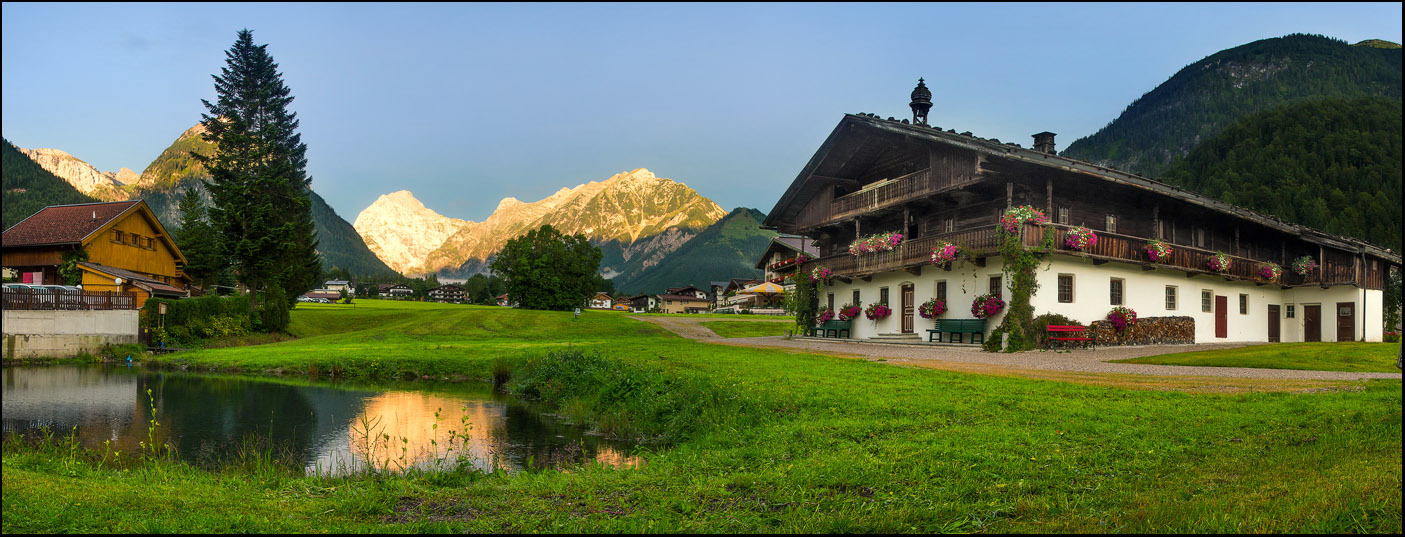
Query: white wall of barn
[1143, 291]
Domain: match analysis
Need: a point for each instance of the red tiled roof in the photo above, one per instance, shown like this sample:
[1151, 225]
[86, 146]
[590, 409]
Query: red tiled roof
[64, 224]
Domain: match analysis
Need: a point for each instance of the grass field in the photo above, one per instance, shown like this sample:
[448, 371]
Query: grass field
[1346, 356]
[752, 440]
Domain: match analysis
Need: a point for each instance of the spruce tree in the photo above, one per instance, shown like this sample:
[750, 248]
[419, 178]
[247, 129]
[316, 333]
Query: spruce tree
[258, 178]
[197, 241]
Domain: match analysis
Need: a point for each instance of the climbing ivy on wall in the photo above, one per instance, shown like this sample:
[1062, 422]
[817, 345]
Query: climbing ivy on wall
[1019, 268]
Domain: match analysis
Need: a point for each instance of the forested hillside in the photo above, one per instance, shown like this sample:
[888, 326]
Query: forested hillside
[29, 187]
[727, 249]
[1205, 97]
[1331, 164]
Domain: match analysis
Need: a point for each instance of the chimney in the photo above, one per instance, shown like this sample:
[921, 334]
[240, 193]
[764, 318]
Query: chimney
[1044, 143]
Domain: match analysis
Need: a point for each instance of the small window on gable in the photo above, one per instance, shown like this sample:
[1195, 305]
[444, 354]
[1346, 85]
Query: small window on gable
[1063, 215]
[116, 236]
[1111, 223]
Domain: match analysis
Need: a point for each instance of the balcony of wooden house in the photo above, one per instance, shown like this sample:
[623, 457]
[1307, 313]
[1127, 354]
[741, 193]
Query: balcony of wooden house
[977, 244]
[1335, 268]
[887, 194]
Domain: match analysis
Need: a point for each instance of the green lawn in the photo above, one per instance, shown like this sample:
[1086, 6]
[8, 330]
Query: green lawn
[730, 329]
[1345, 356]
[767, 441]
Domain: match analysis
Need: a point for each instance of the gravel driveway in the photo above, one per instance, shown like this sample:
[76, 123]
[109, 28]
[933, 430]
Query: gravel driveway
[956, 357]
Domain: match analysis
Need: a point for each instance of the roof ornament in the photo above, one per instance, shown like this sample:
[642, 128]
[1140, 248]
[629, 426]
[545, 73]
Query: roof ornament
[921, 103]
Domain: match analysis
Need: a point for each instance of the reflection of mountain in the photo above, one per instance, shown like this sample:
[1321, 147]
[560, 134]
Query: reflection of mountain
[207, 417]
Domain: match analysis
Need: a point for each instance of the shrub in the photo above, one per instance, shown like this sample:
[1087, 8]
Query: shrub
[1039, 332]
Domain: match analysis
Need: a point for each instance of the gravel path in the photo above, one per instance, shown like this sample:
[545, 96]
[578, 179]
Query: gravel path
[1078, 360]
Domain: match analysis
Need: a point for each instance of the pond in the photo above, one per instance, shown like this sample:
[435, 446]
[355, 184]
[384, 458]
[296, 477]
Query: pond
[332, 429]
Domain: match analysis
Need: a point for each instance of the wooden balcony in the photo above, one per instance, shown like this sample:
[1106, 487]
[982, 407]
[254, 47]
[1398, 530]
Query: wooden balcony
[884, 194]
[982, 242]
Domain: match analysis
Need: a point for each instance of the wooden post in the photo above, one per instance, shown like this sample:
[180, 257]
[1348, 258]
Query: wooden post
[1236, 240]
[1049, 196]
[1156, 218]
[1009, 195]
[1321, 265]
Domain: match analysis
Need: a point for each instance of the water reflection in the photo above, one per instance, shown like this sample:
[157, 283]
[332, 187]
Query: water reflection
[332, 429]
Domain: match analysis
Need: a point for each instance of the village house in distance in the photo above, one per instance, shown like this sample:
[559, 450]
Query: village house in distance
[873, 176]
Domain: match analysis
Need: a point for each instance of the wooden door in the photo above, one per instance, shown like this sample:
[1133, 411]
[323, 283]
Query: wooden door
[1346, 321]
[1273, 331]
[1312, 323]
[1221, 316]
[907, 308]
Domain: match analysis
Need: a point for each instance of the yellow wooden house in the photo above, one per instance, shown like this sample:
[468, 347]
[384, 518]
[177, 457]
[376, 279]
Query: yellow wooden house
[129, 251]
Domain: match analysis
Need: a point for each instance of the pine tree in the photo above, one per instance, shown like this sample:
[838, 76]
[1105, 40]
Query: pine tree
[197, 241]
[258, 178]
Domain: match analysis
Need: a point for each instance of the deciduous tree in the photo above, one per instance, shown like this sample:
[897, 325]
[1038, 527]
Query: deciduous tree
[545, 270]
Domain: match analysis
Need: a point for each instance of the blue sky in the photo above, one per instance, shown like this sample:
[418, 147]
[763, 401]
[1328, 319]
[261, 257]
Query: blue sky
[465, 104]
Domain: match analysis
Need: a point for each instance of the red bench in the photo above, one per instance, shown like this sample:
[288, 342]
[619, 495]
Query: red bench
[1068, 333]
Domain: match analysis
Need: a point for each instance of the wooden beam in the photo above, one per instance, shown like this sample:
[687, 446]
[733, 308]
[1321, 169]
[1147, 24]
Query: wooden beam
[867, 277]
[837, 180]
[915, 270]
[979, 261]
[1148, 267]
[1097, 261]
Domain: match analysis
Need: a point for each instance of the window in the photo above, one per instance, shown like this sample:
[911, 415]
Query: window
[1289, 311]
[941, 290]
[1063, 215]
[1111, 223]
[136, 239]
[882, 295]
[116, 236]
[1115, 292]
[1207, 300]
[995, 287]
[831, 301]
[856, 297]
[1198, 237]
[150, 244]
[1065, 288]
[950, 225]
[1243, 304]
[1170, 298]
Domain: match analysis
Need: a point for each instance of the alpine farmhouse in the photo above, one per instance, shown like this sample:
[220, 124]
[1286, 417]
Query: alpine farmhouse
[873, 176]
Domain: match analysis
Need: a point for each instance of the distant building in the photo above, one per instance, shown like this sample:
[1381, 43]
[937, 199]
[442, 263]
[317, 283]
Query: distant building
[642, 303]
[784, 254]
[338, 285]
[683, 303]
[601, 301]
[687, 291]
[395, 290]
[503, 300]
[448, 293]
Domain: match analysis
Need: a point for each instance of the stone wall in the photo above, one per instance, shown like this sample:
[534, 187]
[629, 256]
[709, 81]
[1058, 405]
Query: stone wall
[62, 334]
[1146, 331]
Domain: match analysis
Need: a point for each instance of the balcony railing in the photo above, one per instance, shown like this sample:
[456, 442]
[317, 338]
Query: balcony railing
[983, 242]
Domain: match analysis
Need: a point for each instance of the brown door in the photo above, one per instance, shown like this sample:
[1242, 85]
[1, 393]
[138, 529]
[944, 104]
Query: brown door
[1221, 316]
[1346, 321]
[1312, 323]
[1273, 323]
[907, 308]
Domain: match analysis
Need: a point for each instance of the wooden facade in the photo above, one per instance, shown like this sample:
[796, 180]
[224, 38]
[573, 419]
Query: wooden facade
[873, 175]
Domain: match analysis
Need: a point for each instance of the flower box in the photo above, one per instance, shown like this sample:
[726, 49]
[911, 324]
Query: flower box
[932, 309]
[877, 312]
[1011, 220]
[872, 244]
[1304, 265]
[1158, 251]
[1121, 317]
[1219, 262]
[1079, 238]
[849, 311]
[1270, 271]
[944, 254]
[820, 273]
[986, 305]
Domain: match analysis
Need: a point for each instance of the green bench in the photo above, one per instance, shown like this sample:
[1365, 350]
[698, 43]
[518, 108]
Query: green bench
[955, 328]
[834, 329]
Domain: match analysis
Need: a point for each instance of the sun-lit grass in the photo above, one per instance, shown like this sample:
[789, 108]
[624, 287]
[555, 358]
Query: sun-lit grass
[1345, 356]
[775, 441]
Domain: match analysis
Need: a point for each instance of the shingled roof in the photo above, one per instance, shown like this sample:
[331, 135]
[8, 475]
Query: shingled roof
[65, 224]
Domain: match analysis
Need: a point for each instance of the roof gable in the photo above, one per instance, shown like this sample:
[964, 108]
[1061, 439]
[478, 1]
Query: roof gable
[66, 224]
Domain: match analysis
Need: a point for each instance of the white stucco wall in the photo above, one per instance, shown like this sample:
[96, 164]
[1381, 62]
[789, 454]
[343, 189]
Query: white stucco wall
[1143, 291]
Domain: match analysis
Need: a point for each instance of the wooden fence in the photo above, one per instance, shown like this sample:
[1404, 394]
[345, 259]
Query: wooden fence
[20, 298]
